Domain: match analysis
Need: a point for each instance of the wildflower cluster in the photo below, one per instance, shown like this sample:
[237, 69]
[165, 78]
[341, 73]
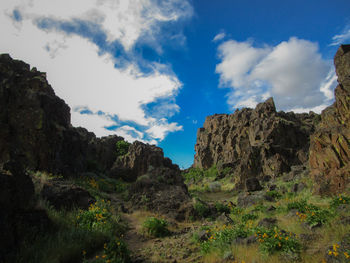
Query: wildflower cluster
[222, 237]
[334, 251]
[115, 251]
[97, 217]
[93, 183]
[341, 199]
[311, 214]
[273, 240]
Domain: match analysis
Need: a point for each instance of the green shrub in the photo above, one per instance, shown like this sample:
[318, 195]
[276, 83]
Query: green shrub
[273, 240]
[274, 194]
[201, 209]
[309, 213]
[122, 148]
[156, 227]
[221, 238]
[222, 208]
[298, 205]
[248, 217]
[97, 217]
[337, 201]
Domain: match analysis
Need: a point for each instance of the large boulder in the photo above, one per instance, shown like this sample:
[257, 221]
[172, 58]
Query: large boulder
[139, 160]
[256, 142]
[63, 195]
[330, 144]
[161, 190]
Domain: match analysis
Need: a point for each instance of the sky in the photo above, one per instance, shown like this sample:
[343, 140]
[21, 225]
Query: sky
[152, 70]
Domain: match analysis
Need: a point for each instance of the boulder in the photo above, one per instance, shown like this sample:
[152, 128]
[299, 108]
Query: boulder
[140, 159]
[258, 142]
[161, 190]
[330, 144]
[252, 184]
[66, 196]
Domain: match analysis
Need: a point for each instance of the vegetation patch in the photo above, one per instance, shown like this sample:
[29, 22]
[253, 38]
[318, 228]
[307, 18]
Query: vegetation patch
[274, 240]
[156, 227]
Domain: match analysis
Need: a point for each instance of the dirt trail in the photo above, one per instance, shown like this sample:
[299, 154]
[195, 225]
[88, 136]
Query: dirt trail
[136, 242]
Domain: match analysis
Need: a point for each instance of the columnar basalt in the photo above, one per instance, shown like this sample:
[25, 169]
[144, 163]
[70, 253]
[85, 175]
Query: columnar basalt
[330, 144]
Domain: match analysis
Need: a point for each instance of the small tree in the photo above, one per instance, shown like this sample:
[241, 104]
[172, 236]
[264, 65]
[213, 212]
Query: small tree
[122, 148]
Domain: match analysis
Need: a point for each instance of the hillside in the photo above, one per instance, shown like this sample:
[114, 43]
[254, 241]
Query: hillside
[265, 186]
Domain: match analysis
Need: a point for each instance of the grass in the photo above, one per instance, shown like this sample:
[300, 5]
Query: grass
[309, 211]
[77, 235]
[66, 241]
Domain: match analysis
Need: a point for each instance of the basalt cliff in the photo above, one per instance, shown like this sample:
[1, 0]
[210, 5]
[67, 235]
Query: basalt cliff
[330, 144]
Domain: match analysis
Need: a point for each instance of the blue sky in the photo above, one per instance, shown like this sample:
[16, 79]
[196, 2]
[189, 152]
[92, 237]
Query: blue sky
[152, 70]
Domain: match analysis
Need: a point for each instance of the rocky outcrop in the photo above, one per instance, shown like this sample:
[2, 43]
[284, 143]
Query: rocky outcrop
[255, 142]
[330, 144]
[139, 160]
[35, 126]
[36, 131]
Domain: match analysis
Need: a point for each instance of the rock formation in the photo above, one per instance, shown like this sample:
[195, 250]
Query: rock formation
[35, 127]
[139, 159]
[255, 142]
[330, 144]
[35, 130]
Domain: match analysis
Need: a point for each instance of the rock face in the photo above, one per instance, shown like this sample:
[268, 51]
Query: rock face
[330, 144]
[35, 124]
[255, 142]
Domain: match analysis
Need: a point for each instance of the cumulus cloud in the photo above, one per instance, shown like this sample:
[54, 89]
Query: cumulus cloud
[74, 42]
[293, 72]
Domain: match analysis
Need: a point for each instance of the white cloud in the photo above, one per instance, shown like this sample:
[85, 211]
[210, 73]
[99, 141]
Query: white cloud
[293, 72]
[85, 78]
[219, 37]
[341, 38]
[123, 20]
[161, 128]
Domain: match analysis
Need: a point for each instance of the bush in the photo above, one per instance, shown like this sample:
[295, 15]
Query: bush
[309, 213]
[341, 199]
[273, 240]
[221, 238]
[222, 208]
[156, 227]
[97, 217]
[248, 217]
[274, 194]
[201, 209]
[298, 205]
[122, 148]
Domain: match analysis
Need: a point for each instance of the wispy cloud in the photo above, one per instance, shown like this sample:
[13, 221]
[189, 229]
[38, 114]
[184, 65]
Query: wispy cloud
[341, 38]
[219, 37]
[293, 72]
[87, 49]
